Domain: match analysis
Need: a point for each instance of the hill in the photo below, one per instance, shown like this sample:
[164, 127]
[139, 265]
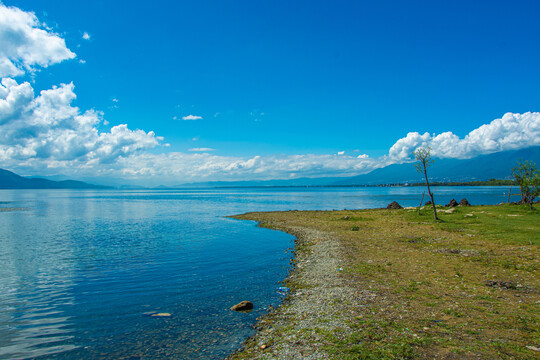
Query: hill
[266, 183]
[493, 166]
[482, 168]
[10, 180]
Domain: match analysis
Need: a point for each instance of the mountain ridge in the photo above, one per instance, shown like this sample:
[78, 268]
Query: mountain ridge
[484, 167]
[481, 168]
[10, 180]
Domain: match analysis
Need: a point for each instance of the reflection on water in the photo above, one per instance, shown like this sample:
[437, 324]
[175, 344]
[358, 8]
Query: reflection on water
[82, 271]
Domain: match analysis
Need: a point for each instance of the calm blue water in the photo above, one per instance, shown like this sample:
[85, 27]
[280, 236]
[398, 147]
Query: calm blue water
[82, 271]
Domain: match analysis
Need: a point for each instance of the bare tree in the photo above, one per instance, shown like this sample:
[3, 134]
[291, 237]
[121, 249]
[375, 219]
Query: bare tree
[423, 161]
[528, 178]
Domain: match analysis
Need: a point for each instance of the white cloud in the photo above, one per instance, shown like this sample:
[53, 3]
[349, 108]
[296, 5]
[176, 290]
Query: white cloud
[511, 132]
[86, 36]
[48, 130]
[191, 117]
[25, 44]
[81, 61]
[13, 98]
[174, 166]
[46, 134]
[404, 147]
[79, 150]
[203, 149]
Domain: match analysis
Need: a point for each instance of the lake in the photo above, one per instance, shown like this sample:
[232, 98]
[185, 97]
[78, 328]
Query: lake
[82, 272]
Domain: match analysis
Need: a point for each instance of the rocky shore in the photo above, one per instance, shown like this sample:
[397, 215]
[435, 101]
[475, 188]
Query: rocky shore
[394, 284]
[320, 302]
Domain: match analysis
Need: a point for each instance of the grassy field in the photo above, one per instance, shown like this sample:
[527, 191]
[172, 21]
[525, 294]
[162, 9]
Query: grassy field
[465, 287]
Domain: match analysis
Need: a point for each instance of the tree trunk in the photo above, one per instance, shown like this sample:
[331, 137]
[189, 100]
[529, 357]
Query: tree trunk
[430, 194]
[421, 201]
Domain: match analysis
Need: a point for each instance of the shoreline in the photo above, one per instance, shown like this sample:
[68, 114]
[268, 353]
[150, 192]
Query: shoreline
[316, 289]
[401, 286]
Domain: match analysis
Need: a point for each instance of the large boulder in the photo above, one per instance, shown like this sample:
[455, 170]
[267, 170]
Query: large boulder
[464, 202]
[394, 205]
[243, 306]
[452, 203]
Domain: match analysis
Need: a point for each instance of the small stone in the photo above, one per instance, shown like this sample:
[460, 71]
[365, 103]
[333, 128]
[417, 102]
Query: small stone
[263, 346]
[243, 306]
[161, 315]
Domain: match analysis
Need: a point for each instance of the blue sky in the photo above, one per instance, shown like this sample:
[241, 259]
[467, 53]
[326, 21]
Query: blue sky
[278, 89]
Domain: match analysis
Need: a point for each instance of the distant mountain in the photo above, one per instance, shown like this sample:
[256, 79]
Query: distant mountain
[270, 183]
[485, 167]
[10, 180]
[493, 166]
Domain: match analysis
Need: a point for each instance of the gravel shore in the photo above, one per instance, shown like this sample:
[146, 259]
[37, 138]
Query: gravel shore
[320, 302]
[394, 284]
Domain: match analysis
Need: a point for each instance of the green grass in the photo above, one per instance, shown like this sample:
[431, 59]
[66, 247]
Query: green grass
[510, 224]
[462, 287]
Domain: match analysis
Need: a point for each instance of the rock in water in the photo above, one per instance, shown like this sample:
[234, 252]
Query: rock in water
[394, 205]
[161, 315]
[464, 202]
[243, 306]
[453, 203]
[427, 203]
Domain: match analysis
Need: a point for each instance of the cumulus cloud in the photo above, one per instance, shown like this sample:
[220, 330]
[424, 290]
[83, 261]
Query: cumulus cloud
[511, 132]
[205, 166]
[205, 149]
[48, 129]
[122, 153]
[46, 134]
[26, 44]
[13, 98]
[191, 117]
